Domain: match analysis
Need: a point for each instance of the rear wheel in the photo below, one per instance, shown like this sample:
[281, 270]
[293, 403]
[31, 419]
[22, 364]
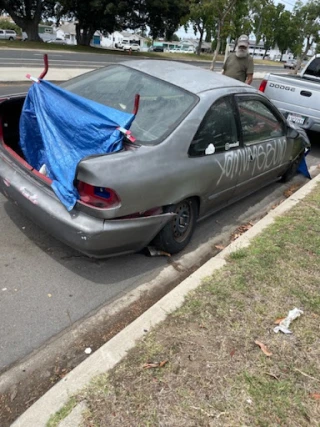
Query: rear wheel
[292, 170]
[176, 235]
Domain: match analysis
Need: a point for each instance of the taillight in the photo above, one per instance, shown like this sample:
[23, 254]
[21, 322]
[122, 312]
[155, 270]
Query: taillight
[98, 197]
[263, 85]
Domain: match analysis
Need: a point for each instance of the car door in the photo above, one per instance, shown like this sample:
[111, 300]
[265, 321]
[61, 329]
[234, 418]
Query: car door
[212, 150]
[264, 146]
[2, 34]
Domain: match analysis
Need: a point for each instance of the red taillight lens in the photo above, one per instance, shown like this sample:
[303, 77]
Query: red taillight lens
[98, 197]
[263, 85]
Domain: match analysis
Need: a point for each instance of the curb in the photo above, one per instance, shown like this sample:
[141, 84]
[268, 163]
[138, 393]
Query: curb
[114, 350]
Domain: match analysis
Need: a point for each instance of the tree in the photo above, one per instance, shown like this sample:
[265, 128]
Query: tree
[164, 17]
[93, 15]
[27, 14]
[200, 16]
[222, 9]
[285, 32]
[270, 23]
[307, 20]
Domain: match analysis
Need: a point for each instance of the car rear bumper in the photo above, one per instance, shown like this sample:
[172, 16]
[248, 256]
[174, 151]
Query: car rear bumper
[92, 236]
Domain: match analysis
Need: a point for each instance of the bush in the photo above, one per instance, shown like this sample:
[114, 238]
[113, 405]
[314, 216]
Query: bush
[8, 25]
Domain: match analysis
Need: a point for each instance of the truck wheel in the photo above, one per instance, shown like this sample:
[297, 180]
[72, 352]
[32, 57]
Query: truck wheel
[176, 235]
[292, 170]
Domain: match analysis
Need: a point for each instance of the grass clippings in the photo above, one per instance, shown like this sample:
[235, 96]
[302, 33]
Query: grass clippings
[215, 373]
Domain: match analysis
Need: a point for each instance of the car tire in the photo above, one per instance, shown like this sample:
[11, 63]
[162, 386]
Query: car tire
[10, 39]
[176, 235]
[292, 170]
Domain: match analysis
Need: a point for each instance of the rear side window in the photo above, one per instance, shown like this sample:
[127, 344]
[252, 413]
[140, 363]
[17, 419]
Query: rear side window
[162, 105]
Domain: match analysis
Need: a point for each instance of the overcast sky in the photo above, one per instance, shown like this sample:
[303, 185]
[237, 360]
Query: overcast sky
[289, 4]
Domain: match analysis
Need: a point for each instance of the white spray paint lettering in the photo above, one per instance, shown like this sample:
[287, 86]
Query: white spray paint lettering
[259, 157]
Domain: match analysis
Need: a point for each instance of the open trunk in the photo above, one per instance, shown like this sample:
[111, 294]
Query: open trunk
[10, 112]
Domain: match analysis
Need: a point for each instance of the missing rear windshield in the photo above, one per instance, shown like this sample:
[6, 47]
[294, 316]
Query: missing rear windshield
[162, 105]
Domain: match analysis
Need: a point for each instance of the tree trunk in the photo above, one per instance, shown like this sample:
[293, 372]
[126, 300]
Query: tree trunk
[303, 55]
[201, 31]
[217, 47]
[84, 35]
[31, 28]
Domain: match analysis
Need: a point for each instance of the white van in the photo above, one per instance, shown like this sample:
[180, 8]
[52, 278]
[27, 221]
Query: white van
[7, 35]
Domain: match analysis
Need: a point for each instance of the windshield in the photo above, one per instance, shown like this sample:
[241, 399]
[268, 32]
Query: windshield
[162, 105]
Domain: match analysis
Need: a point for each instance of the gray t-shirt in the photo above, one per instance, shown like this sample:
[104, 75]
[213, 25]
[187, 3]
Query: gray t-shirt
[238, 68]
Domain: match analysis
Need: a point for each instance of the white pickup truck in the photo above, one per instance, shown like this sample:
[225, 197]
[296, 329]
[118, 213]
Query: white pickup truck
[297, 96]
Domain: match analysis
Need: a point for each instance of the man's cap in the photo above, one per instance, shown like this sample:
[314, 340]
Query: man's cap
[243, 40]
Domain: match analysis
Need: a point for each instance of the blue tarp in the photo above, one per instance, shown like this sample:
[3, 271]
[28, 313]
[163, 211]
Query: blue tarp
[303, 168]
[58, 129]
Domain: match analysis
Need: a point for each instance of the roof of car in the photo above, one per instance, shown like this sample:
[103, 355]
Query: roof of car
[192, 78]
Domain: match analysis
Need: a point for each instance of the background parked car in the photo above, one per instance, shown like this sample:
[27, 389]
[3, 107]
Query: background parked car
[8, 35]
[156, 49]
[57, 41]
[134, 47]
[291, 64]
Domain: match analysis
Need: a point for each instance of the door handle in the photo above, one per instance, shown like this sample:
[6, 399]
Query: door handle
[306, 93]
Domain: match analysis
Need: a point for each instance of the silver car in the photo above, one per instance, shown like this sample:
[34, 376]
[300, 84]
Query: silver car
[203, 140]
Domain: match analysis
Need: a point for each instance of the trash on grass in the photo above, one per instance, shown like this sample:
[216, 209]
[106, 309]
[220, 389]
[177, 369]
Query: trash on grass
[263, 348]
[88, 350]
[315, 396]
[155, 365]
[284, 324]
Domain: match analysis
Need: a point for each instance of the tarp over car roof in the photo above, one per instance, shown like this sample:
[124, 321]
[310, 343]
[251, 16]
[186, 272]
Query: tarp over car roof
[59, 128]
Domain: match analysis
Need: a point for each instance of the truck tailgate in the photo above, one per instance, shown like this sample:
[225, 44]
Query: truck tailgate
[296, 97]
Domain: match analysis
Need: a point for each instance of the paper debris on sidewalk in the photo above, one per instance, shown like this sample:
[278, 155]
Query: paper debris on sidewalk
[284, 324]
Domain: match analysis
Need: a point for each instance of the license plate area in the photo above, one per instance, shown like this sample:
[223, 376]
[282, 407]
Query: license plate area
[296, 118]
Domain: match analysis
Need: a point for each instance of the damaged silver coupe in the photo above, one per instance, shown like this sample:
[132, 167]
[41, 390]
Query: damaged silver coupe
[198, 141]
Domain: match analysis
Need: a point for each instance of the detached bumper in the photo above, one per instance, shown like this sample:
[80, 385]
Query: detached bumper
[92, 236]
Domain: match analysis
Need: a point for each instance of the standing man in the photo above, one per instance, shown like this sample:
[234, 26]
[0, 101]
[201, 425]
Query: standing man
[239, 64]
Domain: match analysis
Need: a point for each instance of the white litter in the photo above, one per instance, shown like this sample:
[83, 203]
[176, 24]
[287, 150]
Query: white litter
[43, 170]
[210, 149]
[284, 324]
[88, 350]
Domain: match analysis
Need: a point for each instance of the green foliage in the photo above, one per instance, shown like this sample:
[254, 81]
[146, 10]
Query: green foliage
[307, 21]
[27, 14]
[8, 25]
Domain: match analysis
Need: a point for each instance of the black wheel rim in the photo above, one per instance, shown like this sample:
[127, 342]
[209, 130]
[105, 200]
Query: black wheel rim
[182, 223]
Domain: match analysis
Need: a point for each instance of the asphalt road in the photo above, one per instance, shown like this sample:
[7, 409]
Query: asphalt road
[46, 287]
[61, 59]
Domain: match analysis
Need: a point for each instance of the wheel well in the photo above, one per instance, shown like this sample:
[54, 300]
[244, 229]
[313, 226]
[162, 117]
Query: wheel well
[195, 198]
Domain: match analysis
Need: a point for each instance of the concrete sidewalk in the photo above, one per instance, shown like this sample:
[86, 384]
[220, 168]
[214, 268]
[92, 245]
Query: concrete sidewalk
[116, 349]
[18, 75]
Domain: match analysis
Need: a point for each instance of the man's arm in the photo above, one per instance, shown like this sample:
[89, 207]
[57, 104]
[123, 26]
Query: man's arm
[249, 79]
[249, 74]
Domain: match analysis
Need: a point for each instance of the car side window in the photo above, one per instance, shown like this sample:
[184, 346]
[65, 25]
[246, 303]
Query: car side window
[217, 131]
[258, 122]
[314, 68]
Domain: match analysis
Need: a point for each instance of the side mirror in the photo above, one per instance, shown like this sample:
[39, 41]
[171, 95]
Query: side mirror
[292, 133]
